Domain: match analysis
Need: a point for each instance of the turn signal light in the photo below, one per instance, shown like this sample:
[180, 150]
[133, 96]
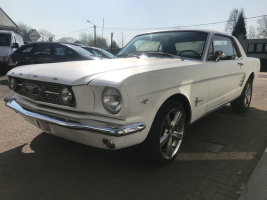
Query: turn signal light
[108, 143]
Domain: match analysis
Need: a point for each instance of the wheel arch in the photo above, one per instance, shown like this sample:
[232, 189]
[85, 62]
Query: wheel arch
[185, 103]
[252, 76]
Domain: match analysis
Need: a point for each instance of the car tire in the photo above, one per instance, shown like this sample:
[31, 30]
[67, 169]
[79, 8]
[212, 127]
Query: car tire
[166, 133]
[241, 104]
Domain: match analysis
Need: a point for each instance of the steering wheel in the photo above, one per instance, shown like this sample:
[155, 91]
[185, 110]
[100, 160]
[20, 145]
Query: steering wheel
[189, 51]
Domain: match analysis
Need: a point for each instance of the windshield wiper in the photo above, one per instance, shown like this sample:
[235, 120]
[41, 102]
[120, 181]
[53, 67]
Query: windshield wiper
[166, 54]
[127, 54]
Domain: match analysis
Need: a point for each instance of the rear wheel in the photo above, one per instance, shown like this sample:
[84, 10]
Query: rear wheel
[165, 136]
[241, 104]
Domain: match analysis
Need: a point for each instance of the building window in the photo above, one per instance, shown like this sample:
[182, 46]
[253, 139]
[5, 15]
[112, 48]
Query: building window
[250, 48]
[259, 48]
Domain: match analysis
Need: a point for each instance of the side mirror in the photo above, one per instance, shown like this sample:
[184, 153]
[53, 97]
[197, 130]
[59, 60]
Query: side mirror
[219, 55]
[15, 45]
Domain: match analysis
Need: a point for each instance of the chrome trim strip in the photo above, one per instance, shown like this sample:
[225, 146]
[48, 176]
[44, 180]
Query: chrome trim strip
[214, 109]
[11, 103]
[51, 92]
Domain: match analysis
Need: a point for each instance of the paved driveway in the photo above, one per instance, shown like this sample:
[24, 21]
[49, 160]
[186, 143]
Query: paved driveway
[36, 165]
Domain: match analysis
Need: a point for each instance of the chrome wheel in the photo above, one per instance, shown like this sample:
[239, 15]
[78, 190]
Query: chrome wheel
[248, 93]
[172, 133]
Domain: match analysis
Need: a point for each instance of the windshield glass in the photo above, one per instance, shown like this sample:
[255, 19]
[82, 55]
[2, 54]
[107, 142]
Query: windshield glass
[5, 39]
[188, 44]
[80, 50]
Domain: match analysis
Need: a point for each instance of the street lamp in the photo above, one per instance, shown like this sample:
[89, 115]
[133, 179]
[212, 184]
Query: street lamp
[95, 30]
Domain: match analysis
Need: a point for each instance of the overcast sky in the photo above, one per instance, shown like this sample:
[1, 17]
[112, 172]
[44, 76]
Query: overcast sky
[65, 16]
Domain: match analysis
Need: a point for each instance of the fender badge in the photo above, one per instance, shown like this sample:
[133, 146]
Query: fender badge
[145, 101]
[197, 101]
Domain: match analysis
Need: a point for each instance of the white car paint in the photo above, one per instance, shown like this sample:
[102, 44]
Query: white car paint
[156, 79]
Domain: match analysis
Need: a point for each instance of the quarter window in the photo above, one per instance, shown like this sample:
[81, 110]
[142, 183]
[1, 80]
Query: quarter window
[25, 49]
[265, 48]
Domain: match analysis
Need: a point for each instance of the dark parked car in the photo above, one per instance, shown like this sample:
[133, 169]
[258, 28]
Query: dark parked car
[95, 51]
[48, 52]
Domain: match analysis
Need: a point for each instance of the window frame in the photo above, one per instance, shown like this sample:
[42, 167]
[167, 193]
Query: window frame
[233, 42]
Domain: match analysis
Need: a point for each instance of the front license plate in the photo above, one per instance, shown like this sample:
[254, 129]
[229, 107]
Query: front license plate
[44, 126]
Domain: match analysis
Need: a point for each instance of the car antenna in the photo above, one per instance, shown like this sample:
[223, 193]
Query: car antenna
[102, 36]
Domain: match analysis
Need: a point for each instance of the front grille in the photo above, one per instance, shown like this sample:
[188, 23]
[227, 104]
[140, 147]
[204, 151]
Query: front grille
[41, 91]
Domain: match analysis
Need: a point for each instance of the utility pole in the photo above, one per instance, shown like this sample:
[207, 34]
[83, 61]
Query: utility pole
[95, 34]
[94, 31]
[111, 42]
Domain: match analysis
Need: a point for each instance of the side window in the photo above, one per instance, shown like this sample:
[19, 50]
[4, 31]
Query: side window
[63, 51]
[224, 44]
[95, 52]
[42, 49]
[25, 49]
[13, 40]
[265, 48]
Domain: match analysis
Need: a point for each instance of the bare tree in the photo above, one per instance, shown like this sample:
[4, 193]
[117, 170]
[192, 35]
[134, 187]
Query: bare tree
[252, 33]
[85, 38]
[67, 39]
[24, 29]
[100, 42]
[262, 27]
[229, 27]
[45, 35]
[121, 40]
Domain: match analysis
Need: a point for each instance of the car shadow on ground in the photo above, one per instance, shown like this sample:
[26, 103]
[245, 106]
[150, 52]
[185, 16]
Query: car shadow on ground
[3, 82]
[54, 168]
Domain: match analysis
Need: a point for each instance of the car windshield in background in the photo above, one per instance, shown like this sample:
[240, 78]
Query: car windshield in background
[80, 50]
[108, 54]
[188, 44]
[5, 39]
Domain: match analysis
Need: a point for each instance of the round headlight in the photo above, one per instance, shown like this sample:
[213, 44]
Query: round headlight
[111, 99]
[12, 83]
[66, 95]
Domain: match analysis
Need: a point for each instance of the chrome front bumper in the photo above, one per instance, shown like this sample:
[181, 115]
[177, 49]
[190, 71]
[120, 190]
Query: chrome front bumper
[11, 103]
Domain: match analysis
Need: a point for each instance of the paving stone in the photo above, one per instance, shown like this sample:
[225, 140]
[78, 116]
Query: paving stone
[35, 165]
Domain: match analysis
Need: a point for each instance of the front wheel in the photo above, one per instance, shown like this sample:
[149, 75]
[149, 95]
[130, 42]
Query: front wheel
[165, 136]
[241, 104]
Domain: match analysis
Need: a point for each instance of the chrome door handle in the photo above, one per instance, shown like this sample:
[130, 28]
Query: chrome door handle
[240, 64]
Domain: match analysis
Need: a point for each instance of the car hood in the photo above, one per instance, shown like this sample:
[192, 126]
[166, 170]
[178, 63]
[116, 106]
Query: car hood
[82, 72]
[4, 50]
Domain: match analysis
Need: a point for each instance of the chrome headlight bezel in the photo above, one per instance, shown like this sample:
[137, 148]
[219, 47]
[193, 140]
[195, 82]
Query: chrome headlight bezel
[112, 95]
[66, 95]
[12, 83]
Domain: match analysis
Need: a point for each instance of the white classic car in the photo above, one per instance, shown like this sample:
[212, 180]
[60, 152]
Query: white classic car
[160, 82]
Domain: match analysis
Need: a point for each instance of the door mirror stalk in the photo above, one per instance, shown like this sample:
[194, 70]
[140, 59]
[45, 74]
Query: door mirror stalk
[219, 55]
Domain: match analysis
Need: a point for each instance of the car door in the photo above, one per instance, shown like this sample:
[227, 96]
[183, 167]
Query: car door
[224, 73]
[42, 53]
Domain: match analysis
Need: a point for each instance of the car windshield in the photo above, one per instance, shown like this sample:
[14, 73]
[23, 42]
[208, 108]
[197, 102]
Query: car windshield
[5, 39]
[80, 50]
[188, 44]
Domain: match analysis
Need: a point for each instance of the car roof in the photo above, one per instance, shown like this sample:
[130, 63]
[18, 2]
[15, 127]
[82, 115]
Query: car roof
[197, 30]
